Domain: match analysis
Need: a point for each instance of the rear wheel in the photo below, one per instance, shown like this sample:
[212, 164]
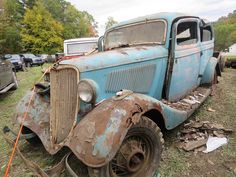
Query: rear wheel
[138, 156]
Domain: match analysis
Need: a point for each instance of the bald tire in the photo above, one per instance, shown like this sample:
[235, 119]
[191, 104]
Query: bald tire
[146, 129]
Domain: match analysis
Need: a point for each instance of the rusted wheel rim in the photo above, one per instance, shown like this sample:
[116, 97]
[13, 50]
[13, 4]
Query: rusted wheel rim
[133, 157]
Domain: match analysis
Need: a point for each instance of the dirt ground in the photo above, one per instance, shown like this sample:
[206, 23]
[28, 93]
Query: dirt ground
[175, 162]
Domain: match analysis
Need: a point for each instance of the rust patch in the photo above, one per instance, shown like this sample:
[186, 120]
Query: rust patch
[122, 52]
[100, 133]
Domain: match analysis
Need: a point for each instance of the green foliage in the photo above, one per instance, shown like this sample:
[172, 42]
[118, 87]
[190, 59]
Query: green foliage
[10, 26]
[40, 26]
[110, 22]
[225, 31]
[40, 32]
[76, 23]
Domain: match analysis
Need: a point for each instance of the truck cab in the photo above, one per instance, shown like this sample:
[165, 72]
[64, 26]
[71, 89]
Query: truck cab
[109, 107]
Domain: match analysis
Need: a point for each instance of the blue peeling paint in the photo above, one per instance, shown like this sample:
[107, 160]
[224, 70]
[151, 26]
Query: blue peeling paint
[102, 148]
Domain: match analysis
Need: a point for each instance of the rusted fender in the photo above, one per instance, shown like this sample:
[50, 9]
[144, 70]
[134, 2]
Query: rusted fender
[210, 71]
[37, 118]
[98, 136]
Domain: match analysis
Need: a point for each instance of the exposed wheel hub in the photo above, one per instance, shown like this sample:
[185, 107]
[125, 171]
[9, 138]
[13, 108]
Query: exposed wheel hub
[131, 157]
[135, 160]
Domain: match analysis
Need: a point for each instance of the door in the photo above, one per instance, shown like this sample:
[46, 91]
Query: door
[185, 62]
[5, 72]
[207, 48]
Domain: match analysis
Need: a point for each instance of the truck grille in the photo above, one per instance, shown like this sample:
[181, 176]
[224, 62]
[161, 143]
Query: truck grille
[63, 101]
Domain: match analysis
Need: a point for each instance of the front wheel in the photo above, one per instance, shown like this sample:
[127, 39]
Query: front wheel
[138, 156]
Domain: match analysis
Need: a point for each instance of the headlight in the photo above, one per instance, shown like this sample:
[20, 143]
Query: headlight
[87, 91]
[19, 62]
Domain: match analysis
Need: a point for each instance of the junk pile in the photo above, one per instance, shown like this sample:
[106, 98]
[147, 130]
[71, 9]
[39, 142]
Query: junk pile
[202, 136]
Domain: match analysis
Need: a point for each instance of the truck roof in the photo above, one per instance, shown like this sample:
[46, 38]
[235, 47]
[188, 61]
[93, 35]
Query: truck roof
[169, 16]
[88, 39]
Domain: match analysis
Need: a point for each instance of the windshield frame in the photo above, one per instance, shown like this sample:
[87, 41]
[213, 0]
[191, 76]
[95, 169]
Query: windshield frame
[139, 23]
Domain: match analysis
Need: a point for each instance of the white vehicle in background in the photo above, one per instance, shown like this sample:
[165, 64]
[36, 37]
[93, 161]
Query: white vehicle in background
[79, 47]
[74, 48]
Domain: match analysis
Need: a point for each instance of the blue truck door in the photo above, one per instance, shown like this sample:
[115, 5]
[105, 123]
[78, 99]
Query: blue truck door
[185, 58]
[207, 47]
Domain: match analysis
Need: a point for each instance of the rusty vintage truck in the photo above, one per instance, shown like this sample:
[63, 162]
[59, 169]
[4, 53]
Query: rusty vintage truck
[109, 108]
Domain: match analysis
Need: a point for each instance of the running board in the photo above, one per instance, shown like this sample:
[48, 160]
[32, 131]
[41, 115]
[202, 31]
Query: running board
[7, 88]
[190, 102]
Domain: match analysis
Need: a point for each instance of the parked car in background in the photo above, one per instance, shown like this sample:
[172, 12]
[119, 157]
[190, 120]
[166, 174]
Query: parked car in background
[16, 60]
[43, 56]
[230, 62]
[31, 59]
[50, 59]
[7, 76]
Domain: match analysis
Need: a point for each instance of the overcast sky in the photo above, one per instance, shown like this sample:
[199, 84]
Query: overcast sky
[127, 9]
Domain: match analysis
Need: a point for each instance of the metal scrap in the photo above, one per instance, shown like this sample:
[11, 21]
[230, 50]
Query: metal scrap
[195, 134]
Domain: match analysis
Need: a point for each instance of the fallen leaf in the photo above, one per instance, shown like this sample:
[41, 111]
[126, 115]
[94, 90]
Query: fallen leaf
[210, 162]
[211, 110]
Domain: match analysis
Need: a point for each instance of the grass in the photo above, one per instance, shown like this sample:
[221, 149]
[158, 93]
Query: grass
[175, 162]
[230, 57]
[179, 163]
[8, 102]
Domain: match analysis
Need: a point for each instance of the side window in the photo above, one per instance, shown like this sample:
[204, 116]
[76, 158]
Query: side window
[187, 33]
[206, 34]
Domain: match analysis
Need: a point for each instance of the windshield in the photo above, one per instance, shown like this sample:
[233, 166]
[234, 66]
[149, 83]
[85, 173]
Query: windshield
[81, 48]
[151, 32]
[29, 55]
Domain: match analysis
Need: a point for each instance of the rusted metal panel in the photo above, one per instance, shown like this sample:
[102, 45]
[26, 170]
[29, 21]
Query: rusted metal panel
[38, 116]
[98, 136]
[63, 102]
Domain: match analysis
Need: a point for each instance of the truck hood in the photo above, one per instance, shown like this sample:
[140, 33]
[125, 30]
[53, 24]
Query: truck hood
[117, 57]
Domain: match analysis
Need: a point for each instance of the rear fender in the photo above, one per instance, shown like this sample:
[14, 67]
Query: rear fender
[98, 136]
[209, 72]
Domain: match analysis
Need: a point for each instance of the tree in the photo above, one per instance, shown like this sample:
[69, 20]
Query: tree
[10, 18]
[110, 22]
[76, 23]
[225, 31]
[40, 32]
